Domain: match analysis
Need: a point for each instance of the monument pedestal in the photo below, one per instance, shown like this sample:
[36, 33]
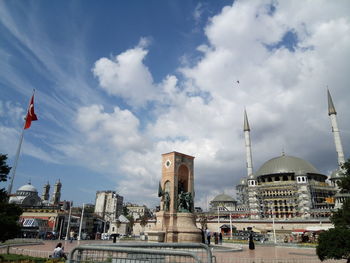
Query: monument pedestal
[175, 227]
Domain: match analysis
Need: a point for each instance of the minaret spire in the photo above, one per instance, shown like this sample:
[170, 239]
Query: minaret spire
[248, 147]
[246, 123]
[333, 116]
[331, 108]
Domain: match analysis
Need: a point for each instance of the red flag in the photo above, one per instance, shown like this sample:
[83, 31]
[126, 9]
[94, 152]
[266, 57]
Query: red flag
[30, 114]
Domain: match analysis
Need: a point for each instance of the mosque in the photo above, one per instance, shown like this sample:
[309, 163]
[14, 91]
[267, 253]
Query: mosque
[27, 196]
[286, 186]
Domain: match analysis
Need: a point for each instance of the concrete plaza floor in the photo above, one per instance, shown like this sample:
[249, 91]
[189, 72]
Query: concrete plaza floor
[260, 252]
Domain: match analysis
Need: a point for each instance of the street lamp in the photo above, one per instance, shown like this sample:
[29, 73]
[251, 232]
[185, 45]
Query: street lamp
[68, 225]
[81, 222]
[273, 222]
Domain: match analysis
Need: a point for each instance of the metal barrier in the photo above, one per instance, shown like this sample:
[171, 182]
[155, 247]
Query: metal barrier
[201, 250]
[115, 254]
[29, 252]
[275, 260]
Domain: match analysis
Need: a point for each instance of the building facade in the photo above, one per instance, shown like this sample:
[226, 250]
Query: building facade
[108, 205]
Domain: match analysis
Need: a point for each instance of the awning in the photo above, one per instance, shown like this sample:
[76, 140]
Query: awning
[227, 226]
[30, 222]
[318, 228]
[299, 231]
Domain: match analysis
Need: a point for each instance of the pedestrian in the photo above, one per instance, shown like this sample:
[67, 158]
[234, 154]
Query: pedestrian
[220, 238]
[216, 238]
[58, 252]
[203, 236]
[208, 236]
[251, 242]
[71, 236]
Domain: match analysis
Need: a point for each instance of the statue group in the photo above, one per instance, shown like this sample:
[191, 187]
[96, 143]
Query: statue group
[185, 202]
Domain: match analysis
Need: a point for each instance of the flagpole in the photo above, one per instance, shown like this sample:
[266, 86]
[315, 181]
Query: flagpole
[9, 189]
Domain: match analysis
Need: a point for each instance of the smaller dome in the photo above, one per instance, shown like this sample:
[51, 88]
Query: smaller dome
[251, 177]
[28, 188]
[243, 181]
[223, 198]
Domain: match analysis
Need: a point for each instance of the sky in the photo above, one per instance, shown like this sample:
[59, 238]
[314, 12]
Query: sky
[118, 83]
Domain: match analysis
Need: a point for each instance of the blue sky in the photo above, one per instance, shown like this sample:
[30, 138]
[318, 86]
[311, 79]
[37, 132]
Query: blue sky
[119, 83]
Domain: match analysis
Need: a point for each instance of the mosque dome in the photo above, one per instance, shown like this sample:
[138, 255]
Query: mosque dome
[223, 198]
[286, 164]
[28, 188]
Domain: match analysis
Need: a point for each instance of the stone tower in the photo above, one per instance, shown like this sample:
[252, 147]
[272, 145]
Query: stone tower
[55, 199]
[176, 220]
[46, 192]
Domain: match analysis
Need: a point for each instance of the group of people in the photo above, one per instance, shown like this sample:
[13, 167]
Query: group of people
[206, 237]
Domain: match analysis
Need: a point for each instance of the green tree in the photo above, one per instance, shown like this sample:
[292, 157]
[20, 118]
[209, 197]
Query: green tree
[335, 243]
[131, 222]
[143, 222]
[125, 211]
[118, 224]
[203, 221]
[344, 183]
[9, 213]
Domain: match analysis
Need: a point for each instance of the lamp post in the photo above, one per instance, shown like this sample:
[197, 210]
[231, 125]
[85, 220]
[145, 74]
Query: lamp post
[81, 222]
[231, 224]
[273, 222]
[218, 218]
[68, 224]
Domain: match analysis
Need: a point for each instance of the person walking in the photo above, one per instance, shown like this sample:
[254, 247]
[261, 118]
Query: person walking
[71, 236]
[216, 238]
[220, 238]
[251, 242]
[208, 234]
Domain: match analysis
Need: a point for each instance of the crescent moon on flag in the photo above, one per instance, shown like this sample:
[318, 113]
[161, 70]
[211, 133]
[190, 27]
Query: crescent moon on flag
[30, 109]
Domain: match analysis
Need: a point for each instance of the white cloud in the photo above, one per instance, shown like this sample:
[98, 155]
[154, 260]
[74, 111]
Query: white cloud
[127, 76]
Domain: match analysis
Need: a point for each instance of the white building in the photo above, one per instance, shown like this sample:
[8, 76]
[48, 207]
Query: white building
[137, 211]
[108, 205]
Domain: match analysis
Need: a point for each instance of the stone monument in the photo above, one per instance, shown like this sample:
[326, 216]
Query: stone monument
[176, 220]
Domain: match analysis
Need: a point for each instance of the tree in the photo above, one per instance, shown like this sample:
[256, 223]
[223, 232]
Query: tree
[118, 223]
[131, 222]
[143, 221]
[125, 211]
[335, 243]
[344, 183]
[9, 213]
[203, 221]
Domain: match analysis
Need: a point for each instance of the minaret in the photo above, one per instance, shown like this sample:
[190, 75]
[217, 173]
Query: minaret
[56, 193]
[46, 192]
[248, 147]
[252, 182]
[333, 115]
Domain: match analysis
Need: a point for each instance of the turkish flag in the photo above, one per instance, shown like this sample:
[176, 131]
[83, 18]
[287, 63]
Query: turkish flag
[30, 114]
